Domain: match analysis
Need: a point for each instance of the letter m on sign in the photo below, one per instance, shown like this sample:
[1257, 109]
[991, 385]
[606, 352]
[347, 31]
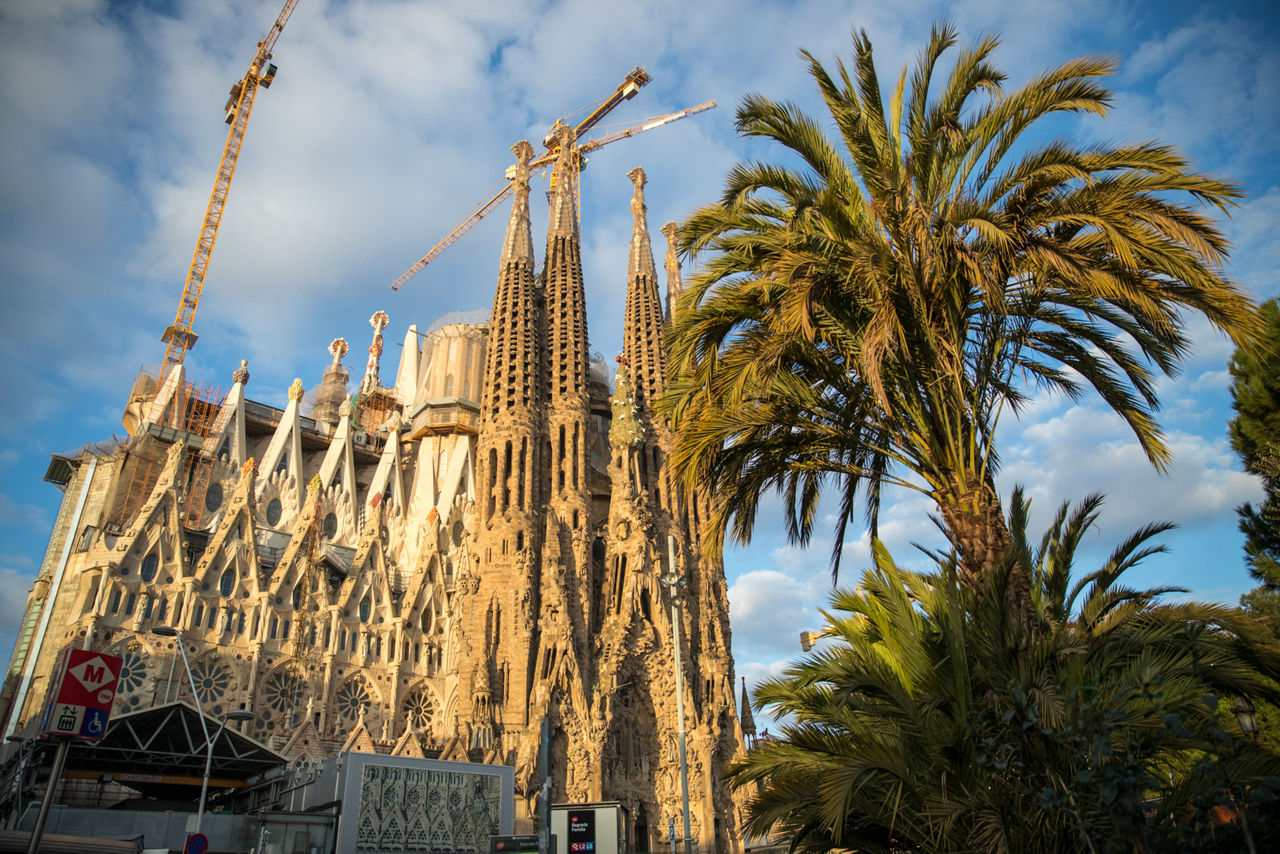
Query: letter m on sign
[89, 679]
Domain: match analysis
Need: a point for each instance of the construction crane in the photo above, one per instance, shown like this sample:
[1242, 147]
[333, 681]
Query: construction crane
[487, 207]
[637, 78]
[179, 338]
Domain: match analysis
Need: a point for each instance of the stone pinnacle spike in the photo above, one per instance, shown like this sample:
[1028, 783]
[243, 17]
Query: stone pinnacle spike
[519, 241]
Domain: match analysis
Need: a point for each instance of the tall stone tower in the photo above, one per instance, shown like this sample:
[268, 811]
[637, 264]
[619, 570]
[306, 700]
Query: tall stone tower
[526, 608]
[649, 536]
[510, 496]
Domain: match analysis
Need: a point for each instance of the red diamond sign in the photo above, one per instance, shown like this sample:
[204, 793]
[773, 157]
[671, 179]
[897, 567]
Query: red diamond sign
[90, 679]
[93, 674]
[84, 686]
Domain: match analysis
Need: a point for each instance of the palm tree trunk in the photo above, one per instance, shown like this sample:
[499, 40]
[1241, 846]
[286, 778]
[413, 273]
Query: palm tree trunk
[976, 526]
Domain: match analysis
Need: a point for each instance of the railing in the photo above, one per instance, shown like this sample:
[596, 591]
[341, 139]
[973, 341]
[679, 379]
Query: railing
[474, 317]
[448, 413]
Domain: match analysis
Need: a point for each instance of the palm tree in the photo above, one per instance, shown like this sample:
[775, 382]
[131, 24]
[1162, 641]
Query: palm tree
[933, 723]
[864, 318]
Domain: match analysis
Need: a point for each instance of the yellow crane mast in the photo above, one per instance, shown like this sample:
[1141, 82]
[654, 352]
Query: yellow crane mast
[625, 91]
[179, 338]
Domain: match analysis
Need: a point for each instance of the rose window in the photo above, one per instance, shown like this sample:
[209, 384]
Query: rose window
[412, 798]
[419, 709]
[353, 698]
[211, 681]
[133, 672]
[281, 690]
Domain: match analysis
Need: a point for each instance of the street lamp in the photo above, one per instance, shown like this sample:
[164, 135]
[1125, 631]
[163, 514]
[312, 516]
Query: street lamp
[1245, 716]
[674, 582]
[171, 632]
[236, 715]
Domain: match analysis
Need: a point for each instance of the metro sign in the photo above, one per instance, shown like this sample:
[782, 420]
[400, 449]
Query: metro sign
[93, 675]
[83, 688]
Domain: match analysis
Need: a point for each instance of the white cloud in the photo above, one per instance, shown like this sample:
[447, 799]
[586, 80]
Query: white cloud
[1086, 449]
[1206, 85]
[769, 607]
[1257, 252]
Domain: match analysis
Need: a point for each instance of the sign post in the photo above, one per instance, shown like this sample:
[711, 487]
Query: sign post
[544, 799]
[79, 705]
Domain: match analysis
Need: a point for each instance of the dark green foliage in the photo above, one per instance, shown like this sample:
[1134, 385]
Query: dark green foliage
[1255, 436]
[937, 722]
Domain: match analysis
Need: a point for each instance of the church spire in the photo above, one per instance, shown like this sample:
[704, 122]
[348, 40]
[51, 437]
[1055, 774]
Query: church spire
[565, 298]
[748, 720]
[511, 400]
[672, 262]
[640, 261]
[642, 336]
[519, 242]
[372, 381]
[564, 203]
[510, 366]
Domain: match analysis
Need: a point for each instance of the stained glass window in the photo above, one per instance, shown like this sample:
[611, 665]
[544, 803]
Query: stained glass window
[212, 680]
[419, 709]
[149, 565]
[353, 698]
[213, 497]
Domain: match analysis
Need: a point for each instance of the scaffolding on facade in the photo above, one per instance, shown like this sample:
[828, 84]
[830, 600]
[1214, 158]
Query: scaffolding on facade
[188, 417]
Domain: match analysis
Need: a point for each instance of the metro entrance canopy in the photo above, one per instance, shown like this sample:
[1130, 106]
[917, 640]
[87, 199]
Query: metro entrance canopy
[156, 749]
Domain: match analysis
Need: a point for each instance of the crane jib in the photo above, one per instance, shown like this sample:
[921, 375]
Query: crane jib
[638, 77]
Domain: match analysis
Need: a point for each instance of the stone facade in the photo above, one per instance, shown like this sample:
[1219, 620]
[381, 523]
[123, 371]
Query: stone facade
[427, 568]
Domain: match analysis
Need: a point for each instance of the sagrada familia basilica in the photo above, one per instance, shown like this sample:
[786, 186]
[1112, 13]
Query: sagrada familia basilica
[426, 567]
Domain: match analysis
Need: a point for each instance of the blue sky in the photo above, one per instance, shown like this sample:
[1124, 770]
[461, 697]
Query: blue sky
[388, 121]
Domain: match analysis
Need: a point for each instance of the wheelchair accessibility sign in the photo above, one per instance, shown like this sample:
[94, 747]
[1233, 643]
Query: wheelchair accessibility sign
[83, 690]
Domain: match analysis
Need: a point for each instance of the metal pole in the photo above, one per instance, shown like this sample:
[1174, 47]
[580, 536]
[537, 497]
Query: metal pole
[59, 760]
[208, 766]
[186, 665]
[168, 686]
[22, 773]
[676, 598]
[544, 798]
